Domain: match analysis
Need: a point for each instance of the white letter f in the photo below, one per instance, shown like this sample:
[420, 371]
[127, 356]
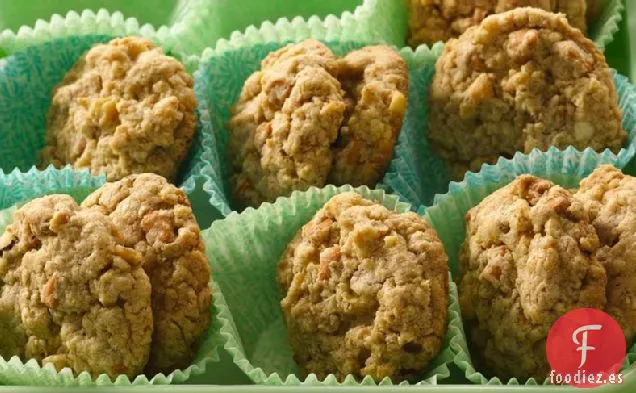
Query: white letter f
[584, 347]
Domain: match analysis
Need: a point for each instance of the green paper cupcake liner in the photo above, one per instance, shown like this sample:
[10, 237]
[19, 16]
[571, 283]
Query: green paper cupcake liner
[221, 26]
[17, 188]
[219, 81]
[72, 24]
[566, 168]
[225, 26]
[244, 250]
[27, 79]
[417, 174]
[602, 30]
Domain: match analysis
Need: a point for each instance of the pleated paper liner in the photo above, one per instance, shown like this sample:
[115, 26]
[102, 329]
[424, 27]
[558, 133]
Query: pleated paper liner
[566, 168]
[54, 26]
[244, 250]
[219, 81]
[224, 25]
[417, 174]
[17, 188]
[27, 80]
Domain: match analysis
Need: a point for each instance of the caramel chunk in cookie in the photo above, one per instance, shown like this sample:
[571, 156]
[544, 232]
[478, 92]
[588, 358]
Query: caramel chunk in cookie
[528, 258]
[365, 291]
[73, 294]
[521, 80]
[156, 220]
[431, 21]
[610, 197]
[124, 108]
[308, 118]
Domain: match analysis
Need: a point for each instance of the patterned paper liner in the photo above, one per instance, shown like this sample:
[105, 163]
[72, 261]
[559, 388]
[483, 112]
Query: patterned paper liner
[370, 21]
[417, 174]
[219, 82]
[26, 82]
[17, 188]
[244, 250]
[565, 168]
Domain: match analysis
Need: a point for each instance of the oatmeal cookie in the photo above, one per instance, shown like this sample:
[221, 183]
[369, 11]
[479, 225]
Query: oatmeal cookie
[365, 291]
[156, 220]
[527, 259]
[72, 293]
[123, 108]
[431, 21]
[610, 197]
[375, 81]
[521, 80]
[297, 125]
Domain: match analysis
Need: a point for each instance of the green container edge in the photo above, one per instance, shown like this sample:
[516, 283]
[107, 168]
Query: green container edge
[625, 41]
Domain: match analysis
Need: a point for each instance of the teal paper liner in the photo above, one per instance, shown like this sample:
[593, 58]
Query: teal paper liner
[417, 174]
[219, 81]
[19, 187]
[27, 79]
[244, 249]
[566, 168]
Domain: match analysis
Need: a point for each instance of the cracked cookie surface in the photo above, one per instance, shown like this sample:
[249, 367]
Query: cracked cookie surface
[156, 220]
[123, 108]
[431, 21]
[308, 118]
[72, 293]
[610, 197]
[529, 256]
[365, 291]
[521, 80]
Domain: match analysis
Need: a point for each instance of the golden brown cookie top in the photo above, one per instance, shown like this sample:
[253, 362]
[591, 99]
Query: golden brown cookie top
[375, 82]
[527, 259]
[72, 292]
[610, 197]
[156, 219]
[365, 291]
[124, 108]
[431, 21]
[308, 118]
[521, 80]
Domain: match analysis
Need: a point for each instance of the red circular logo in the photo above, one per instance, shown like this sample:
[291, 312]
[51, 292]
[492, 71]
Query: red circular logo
[585, 348]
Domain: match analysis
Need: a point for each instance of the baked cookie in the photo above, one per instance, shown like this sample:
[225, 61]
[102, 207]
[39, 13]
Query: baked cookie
[527, 259]
[521, 80]
[72, 294]
[123, 108]
[365, 292]
[156, 220]
[610, 198]
[431, 21]
[308, 118]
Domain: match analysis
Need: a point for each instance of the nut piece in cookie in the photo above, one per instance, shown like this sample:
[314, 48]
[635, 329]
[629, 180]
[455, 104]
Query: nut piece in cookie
[124, 108]
[308, 118]
[528, 258]
[431, 21]
[610, 198]
[156, 220]
[521, 80]
[365, 292]
[72, 293]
